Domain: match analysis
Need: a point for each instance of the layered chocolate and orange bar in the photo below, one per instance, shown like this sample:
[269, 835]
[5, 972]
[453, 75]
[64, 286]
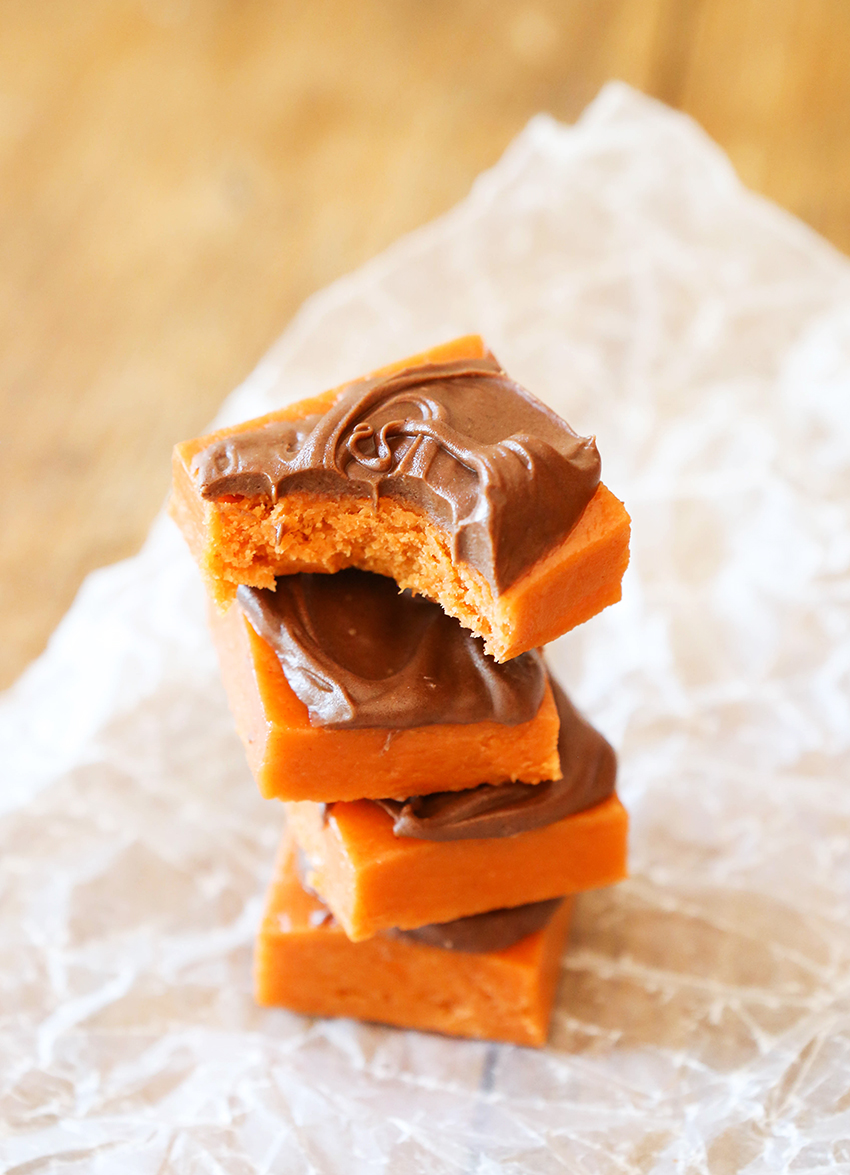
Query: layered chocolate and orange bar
[436, 858]
[343, 688]
[440, 472]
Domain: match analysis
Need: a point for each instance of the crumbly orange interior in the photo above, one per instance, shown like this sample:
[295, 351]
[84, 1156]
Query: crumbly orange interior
[253, 542]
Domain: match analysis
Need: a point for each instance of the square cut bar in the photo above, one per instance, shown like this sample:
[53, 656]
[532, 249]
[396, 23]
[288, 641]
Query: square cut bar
[251, 538]
[292, 760]
[373, 880]
[304, 961]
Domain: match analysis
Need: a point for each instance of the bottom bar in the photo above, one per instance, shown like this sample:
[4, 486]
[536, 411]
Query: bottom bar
[305, 962]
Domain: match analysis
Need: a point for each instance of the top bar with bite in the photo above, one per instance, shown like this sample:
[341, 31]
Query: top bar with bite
[440, 472]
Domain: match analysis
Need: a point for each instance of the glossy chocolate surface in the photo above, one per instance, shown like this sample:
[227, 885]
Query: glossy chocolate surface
[503, 476]
[589, 768]
[359, 653]
[495, 930]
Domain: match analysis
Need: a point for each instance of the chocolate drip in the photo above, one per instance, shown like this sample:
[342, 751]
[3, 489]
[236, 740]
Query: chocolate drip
[589, 769]
[494, 930]
[359, 653]
[493, 467]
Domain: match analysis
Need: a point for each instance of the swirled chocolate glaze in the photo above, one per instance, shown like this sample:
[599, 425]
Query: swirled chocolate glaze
[494, 930]
[358, 653]
[494, 468]
[589, 769]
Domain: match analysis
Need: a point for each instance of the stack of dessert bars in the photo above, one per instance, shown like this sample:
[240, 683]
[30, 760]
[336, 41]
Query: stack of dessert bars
[384, 564]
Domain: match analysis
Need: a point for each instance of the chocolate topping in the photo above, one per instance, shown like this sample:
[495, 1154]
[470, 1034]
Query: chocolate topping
[358, 653]
[495, 930]
[589, 769]
[494, 468]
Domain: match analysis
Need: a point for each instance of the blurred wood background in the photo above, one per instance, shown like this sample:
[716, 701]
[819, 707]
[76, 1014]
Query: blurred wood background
[176, 176]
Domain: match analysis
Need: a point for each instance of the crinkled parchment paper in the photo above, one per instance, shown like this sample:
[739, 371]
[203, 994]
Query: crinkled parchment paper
[703, 1019]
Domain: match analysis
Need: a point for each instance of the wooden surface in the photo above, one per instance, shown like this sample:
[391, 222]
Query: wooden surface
[176, 176]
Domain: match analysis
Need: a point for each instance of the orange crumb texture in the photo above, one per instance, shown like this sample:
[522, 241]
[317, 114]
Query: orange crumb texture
[305, 962]
[252, 540]
[292, 760]
[373, 880]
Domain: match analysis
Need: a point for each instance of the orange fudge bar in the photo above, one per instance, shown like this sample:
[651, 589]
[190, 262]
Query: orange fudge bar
[294, 760]
[304, 961]
[373, 880]
[412, 477]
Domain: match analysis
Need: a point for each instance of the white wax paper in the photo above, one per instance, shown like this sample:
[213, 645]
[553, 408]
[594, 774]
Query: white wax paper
[619, 270]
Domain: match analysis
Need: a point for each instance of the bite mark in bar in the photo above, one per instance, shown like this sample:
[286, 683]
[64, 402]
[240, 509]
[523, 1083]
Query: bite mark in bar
[492, 466]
